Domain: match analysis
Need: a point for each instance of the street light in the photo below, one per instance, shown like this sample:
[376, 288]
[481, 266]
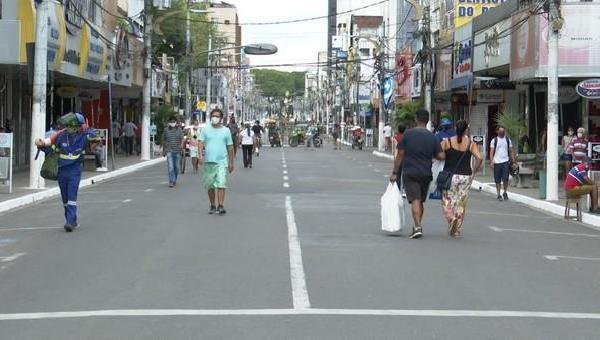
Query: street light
[250, 49]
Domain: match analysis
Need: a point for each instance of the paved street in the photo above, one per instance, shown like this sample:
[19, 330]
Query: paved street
[149, 262]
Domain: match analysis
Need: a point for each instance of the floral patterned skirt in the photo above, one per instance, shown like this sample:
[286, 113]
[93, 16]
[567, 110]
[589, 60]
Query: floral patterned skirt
[454, 203]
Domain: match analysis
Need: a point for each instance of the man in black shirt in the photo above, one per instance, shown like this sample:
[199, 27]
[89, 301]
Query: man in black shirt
[413, 162]
[258, 130]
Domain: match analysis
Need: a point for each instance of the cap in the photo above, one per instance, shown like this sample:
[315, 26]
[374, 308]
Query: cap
[446, 122]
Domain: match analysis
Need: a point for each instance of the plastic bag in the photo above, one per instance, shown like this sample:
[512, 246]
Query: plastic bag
[49, 168]
[436, 168]
[392, 209]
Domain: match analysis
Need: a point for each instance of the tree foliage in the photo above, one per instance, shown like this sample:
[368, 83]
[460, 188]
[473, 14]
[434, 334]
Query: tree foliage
[273, 83]
[405, 113]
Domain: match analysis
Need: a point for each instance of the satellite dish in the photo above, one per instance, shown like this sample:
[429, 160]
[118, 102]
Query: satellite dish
[260, 49]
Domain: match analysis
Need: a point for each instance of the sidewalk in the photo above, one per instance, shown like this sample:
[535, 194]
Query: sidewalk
[527, 196]
[22, 195]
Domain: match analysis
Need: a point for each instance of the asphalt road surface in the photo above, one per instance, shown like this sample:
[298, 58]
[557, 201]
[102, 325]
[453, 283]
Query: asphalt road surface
[299, 255]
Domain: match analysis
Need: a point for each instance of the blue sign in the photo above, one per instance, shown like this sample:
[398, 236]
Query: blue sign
[388, 92]
[342, 54]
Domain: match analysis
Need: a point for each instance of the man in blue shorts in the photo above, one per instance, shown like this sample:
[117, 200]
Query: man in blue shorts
[216, 140]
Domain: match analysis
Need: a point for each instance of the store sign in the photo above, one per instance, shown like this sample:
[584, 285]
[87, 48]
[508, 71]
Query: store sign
[594, 148]
[490, 96]
[478, 139]
[462, 58]
[5, 140]
[466, 10]
[589, 88]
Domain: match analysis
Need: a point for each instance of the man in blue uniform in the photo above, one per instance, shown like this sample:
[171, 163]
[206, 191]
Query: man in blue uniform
[70, 145]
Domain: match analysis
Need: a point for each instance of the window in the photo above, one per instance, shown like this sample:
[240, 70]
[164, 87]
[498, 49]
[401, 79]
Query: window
[227, 22]
[92, 11]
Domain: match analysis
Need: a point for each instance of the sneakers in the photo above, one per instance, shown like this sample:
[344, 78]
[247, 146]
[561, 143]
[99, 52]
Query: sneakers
[213, 210]
[70, 227]
[499, 198]
[417, 233]
[505, 196]
[171, 185]
[221, 211]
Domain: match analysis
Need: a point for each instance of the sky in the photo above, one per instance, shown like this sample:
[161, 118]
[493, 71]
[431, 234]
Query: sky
[297, 42]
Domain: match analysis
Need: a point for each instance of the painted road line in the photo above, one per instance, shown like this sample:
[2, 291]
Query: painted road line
[558, 257]
[148, 190]
[377, 170]
[299, 291]
[11, 258]
[286, 185]
[286, 178]
[436, 313]
[285, 172]
[499, 230]
[127, 200]
[545, 217]
[28, 228]
[113, 191]
[284, 166]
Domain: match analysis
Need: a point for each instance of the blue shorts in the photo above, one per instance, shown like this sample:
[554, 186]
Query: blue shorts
[501, 172]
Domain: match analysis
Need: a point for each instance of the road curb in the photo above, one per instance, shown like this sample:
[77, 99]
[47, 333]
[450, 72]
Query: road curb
[49, 193]
[590, 220]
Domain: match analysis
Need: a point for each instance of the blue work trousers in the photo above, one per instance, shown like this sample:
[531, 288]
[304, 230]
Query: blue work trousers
[68, 182]
[173, 159]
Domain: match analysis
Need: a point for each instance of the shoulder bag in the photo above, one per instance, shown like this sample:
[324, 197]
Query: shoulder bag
[444, 179]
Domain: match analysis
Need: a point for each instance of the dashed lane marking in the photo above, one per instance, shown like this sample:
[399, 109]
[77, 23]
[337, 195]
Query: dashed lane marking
[286, 185]
[299, 291]
[28, 228]
[556, 233]
[285, 172]
[286, 178]
[11, 258]
[558, 257]
[127, 200]
[436, 313]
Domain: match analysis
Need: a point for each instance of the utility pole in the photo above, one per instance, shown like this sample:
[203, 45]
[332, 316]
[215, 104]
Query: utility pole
[147, 93]
[555, 24]
[208, 81]
[382, 111]
[426, 89]
[38, 114]
[188, 90]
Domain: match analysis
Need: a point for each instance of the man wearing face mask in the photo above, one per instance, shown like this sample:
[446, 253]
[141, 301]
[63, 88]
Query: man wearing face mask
[172, 147]
[502, 157]
[70, 145]
[216, 140]
[579, 147]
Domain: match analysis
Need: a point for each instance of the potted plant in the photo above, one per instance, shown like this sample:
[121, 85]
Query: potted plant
[405, 113]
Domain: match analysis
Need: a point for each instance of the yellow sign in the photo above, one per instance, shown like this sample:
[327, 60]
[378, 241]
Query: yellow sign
[466, 10]
[201, 105]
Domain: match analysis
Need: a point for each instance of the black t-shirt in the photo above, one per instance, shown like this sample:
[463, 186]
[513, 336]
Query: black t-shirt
[257, 129]
[420, 147]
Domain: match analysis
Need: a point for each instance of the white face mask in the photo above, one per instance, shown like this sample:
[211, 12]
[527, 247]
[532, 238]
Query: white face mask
[580, 135]
[215, 120]
[172, 125]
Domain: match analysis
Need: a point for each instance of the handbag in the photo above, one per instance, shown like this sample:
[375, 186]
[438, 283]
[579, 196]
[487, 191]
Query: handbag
[49, 169]
[444, 179]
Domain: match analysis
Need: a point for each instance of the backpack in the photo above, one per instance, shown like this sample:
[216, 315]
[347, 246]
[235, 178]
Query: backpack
[514, 171]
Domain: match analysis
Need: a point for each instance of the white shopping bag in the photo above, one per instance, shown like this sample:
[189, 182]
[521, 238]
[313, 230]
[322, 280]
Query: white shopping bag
[393, 216]
[436, 168]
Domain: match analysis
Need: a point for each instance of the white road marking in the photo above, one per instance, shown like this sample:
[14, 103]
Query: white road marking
[284, 166]
[11, 258]
[114, 191]
[28, 228]
[511, 215]
[299, 291]
[370, 165]
[499, 230]
[285, 172]
[437, 313]
[286, 178]
[149, 190]
[127, 200]
[286, 185]
[377, 170]
[558, 257]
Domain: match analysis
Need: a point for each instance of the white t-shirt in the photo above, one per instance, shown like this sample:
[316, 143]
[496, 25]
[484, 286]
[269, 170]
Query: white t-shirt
[247, 139]
[501, 152]
[387, 131]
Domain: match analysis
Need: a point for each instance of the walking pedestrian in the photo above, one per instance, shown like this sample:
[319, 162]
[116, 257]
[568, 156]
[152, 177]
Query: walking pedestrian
[248, 142]
[579, 147]
[218, 161]
[115, 133]
[235, 130]
[172, 143]
[446, 130]
[413, 164]
[129, 130]
[69, 144]
[567, 155]
[387, 134]
[336, 135]
[195, 152]
[502, 158]
[459, 151]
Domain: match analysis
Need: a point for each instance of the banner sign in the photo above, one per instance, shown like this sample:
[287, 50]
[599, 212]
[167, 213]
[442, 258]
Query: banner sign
[589, 88]
[466, 10]
[388, 92]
